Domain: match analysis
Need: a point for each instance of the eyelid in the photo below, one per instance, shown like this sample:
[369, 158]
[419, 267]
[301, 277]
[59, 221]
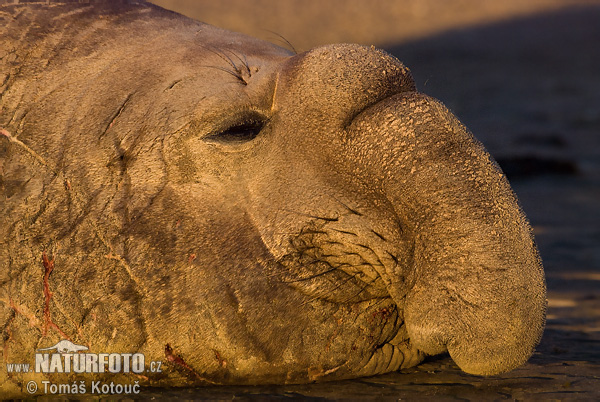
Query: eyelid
[243, 128]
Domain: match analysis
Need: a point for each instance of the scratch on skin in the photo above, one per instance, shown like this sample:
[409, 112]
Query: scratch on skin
[31, 152]
[20, 309]
[48, 323]
[116, 115]
[178, 362]
[315, 373]
[222, 362]
[141, 377]
[118, 258]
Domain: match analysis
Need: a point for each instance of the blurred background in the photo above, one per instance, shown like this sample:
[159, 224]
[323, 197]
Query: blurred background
[524, 76]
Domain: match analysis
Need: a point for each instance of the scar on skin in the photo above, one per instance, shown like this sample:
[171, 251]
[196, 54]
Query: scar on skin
[179, 363]
[48, 323]
[30, 151]
[18, 310]
[222, 362]
[24, 311]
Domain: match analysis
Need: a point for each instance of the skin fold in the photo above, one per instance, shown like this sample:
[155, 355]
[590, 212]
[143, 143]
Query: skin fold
[243, 214]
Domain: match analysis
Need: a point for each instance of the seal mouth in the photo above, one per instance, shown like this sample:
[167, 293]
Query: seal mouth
[326, 263]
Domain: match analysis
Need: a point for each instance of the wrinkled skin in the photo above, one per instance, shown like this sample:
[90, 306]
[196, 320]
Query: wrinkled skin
[273, 218]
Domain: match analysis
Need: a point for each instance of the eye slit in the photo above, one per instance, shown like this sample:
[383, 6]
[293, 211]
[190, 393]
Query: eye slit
[239, 132]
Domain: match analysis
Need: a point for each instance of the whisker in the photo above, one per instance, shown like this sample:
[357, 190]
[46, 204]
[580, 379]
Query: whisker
[235, 74]
[244, 61]
[285, 40]
[379, 235]
[369, 249]
[283, 272]
[323, 218]
[223, 56]
[396, 261]
[329, 291]
[344, 232]
[311, 231]
[312, 276]
[360, 291]
[351, 210]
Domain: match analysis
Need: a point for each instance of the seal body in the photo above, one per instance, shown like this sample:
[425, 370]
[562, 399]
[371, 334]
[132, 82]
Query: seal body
[242, 214]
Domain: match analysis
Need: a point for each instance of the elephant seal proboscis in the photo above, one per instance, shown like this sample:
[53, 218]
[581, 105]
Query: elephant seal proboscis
[241, 214]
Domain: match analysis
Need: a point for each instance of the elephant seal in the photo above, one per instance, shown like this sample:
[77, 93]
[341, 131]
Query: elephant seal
[240, 214]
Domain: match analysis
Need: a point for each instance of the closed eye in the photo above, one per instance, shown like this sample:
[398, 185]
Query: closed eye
[243, 130]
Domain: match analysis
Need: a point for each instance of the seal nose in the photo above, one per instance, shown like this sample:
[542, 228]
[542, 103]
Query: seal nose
[339, 81]
[477, 286]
